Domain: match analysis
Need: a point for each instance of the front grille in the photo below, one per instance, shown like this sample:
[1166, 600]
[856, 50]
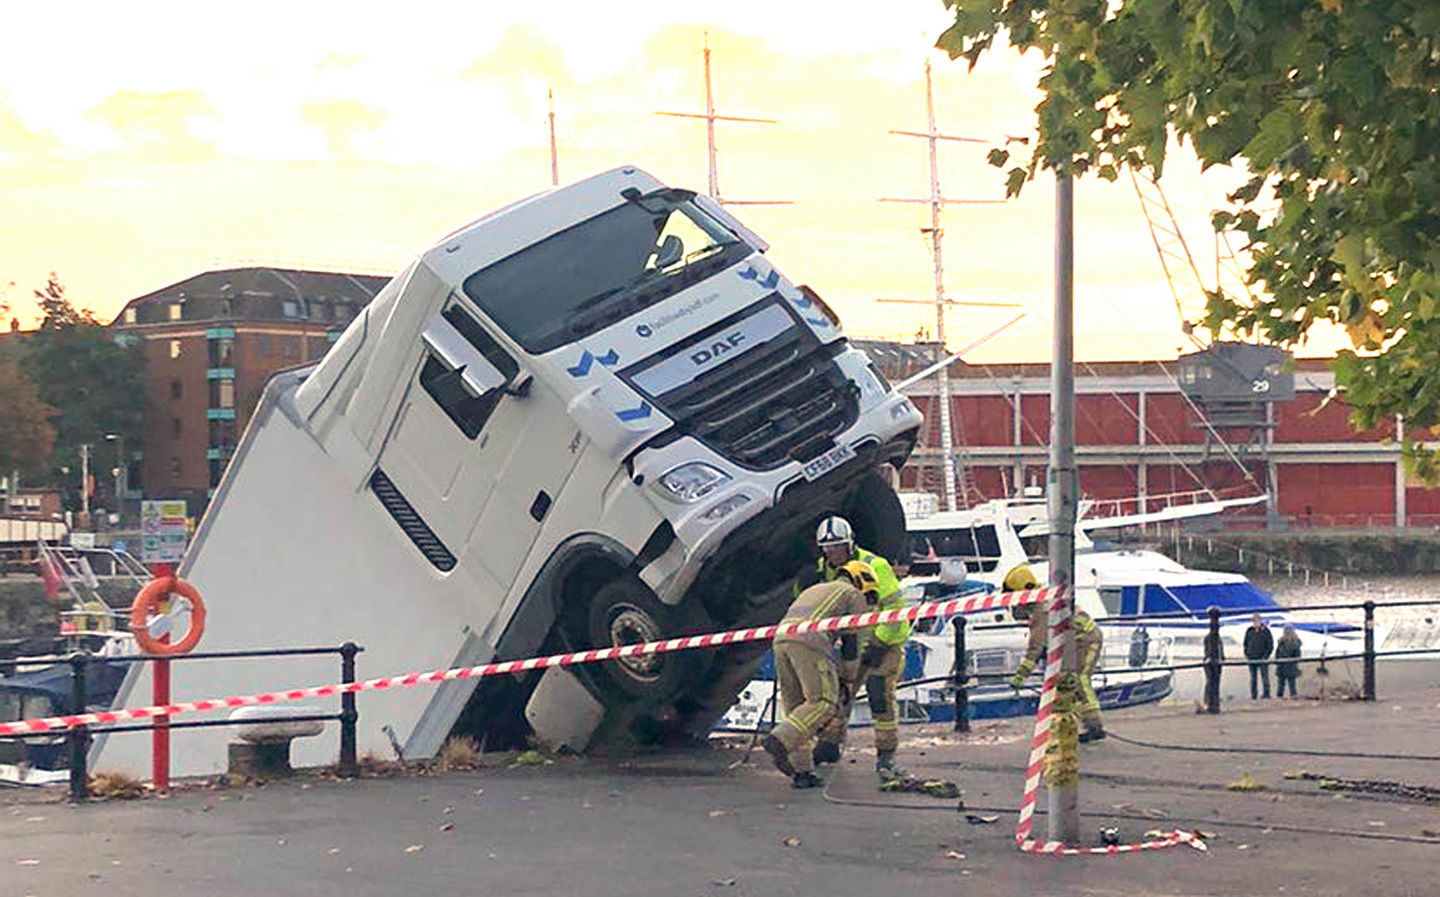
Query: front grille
[783, 400]
[411, 522]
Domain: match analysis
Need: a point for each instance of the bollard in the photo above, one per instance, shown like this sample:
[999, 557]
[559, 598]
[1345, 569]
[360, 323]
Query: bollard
[349, 764]
[1367, 691]
[1212, 663]
[962, 694]
[79, 736]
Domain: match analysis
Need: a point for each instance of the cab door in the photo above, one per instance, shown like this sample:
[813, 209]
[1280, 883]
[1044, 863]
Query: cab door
[480, 450]
[435, 456]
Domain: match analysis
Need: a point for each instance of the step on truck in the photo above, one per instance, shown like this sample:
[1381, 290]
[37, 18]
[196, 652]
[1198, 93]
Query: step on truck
[596, 416]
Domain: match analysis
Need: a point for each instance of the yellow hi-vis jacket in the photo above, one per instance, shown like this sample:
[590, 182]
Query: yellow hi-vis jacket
[891, 635]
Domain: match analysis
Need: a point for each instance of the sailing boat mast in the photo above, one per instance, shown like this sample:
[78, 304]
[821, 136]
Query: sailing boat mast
[711, 156]
[554, 155]
[936, 233]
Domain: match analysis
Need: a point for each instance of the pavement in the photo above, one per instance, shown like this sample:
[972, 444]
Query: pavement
[719, 821]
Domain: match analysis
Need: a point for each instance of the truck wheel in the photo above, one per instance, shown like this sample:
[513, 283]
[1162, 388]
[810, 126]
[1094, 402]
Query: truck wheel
[626, 612]
[879, 519]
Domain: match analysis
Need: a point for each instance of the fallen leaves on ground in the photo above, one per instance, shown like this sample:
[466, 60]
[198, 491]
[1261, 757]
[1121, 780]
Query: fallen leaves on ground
[1247, 782]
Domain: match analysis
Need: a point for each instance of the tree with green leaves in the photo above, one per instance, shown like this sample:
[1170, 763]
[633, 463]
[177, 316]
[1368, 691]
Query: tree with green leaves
[26, 439]
[96, 385]
[1333, 109]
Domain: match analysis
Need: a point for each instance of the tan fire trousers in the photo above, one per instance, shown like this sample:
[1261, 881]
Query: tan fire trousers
[879, 683]
[809, 684]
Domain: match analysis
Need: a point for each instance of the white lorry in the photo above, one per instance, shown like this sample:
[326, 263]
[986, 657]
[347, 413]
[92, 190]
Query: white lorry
[595, 416]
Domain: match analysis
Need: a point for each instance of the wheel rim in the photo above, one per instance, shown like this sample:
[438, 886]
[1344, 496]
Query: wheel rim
[630, 625]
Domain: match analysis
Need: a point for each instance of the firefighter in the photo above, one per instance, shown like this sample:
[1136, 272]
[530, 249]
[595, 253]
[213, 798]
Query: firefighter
[813, 682]
[1088, 644]
[882, 652]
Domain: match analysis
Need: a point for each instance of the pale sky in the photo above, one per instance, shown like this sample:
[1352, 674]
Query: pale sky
[146, 142]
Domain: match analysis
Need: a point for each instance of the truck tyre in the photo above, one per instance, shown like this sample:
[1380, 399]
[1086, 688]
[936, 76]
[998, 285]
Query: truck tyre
[626, 612]
[879, 519]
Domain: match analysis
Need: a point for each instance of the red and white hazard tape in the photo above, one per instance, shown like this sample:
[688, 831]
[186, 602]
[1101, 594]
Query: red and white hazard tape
[1034, 770]
[957, 606]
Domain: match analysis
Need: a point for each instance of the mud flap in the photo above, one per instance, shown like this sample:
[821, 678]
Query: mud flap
[562, 712]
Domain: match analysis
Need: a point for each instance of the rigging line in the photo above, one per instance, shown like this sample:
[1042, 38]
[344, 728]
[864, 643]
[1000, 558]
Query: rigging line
[1169, 375]
[575, 142]
[1149, 431]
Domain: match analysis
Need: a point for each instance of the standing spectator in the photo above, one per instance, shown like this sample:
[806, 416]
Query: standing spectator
[1286, 669]
[1259, 644]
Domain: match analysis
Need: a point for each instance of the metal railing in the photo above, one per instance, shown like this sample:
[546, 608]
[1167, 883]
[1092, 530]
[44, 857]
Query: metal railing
[78, 737]
[962, 676]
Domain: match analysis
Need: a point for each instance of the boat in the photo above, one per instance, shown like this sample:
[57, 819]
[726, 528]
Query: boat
[926, 693]
[35, 672]
[928, 696]
[1137, 595]
[45, 691]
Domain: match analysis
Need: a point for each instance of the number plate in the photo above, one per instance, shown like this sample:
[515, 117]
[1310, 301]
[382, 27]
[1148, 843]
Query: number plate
[828, 462]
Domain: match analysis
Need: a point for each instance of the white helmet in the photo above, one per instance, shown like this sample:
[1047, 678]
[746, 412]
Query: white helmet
[834, 531]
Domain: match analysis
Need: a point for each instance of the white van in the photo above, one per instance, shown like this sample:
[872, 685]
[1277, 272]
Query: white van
[596, 416]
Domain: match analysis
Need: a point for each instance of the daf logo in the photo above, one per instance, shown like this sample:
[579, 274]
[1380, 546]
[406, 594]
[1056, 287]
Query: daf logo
[718, 348]
[644, 330]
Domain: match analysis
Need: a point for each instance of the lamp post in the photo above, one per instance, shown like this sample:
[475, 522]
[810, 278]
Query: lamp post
[85, 481]
[122, 472]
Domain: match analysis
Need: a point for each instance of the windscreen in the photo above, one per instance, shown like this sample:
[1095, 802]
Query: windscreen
[603, 269]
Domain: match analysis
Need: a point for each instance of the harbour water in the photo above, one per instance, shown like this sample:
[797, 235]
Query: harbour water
[1335, 679]
[1297, 593]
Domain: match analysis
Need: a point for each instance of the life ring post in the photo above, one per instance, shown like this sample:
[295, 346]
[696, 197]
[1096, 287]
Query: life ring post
[154, 598]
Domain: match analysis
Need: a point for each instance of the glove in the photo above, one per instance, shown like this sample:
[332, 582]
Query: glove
[872, 655]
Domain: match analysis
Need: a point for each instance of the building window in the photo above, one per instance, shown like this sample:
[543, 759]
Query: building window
[265, 346]
[175, 428]
[174, 348]
[130, 317]
[290, 348]
[176, 311]
[222, 353]
[177, 389]
[217, 470]
[290, 308]
[176, 471]
[222, 435]
[222, 393]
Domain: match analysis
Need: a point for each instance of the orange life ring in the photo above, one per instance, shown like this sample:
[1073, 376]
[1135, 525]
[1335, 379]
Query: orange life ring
[150, 597]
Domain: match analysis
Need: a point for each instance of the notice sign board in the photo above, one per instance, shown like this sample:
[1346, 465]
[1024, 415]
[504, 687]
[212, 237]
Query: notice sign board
[162, 531]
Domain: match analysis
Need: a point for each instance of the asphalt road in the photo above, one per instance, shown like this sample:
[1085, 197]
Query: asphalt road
[711, 822]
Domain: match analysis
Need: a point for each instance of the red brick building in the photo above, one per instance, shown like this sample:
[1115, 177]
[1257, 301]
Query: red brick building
[212, 341]
[1138, 433]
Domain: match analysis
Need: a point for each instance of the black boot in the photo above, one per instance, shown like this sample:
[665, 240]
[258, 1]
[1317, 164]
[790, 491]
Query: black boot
[778, 753]
[806, 780]
[825, 752]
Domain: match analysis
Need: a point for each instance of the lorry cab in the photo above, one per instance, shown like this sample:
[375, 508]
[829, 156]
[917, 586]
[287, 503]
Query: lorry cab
[596, 416]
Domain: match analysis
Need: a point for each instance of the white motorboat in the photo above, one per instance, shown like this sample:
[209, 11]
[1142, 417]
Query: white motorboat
[1139, 596]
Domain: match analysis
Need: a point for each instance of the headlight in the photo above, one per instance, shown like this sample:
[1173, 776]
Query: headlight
[692, 482]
